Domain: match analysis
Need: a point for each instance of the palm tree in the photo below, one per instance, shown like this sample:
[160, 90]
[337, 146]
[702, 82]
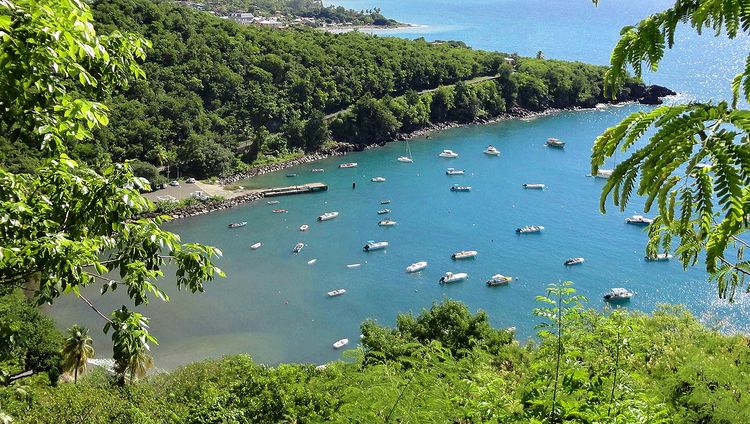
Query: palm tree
[139, 364]
[77, 350]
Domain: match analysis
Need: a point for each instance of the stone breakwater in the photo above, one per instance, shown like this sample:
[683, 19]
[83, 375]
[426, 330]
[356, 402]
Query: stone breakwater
[208, 207]
[273, 167]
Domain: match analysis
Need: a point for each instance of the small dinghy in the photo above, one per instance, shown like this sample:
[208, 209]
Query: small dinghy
[499, 280]
[452, 171]
[659, 257]
[304, 227]
[491, 150]
[464, 254]
[280, 211]
[318, 170]
[405, 159]
[555, 143]
[298, 247]
[354, 265]
[328, 215]
[378, 179]
[384, 211]
[448, 154]
[312, 261]
[639, 220]
[534, 186]
[618, 294]
[460, 188]
[385, 202]
[450, 277]
[237, 224]
[416, 267]
[574, 261]
[340, 343]
[387, 223]
[348, 165]
[337, 292]
[375, 245]
[256, 246]
[272, 202]
[530, 229]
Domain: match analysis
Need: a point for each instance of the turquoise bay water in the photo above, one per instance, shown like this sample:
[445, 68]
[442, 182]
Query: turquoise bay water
[273, 305]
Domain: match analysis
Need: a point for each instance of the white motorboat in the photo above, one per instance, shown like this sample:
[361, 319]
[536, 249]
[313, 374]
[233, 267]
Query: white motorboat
[448, 154]
[328, 215]
[491, 150]
[534, 186]
[280, 211]
[464, 254]
[304, 227]
[298, 247]
[604, 173]
[348, 165]
[553, 142]
[639, 220]
[574, 261]
[337, 292]
[450, 277]
[618, 294]
[405, 159]
[384, 211]
[416, 267]
[452, 171]
[530, 229]
[237, 224]
[385, 202]
[499, 280]
[354, 265]
[377, 179]
[659, 257]
[318, 170]
[256, 246]
[387, 223]
[340, 343]
[312, 261]
[460, 188]
[375, 245]
[272, 202]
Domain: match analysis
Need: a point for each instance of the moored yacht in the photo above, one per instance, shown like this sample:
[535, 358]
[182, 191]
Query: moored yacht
[405, 159]
[499, 280]
[491, 150]
[298, 247]
[256, 246]
[328, 215]
[639, 220]
[574, 261]
[450, 277]
[659, 257]
[348, 165]
[417, 266]
[460, 188]
[375, 245]
[387, 223]
[304, 227]
[272, 202]
[464, 254]
[452, 171]
[534, 186]
[448, 154]
[318, 170]
[280, 211]
[337, 292]
[377, 179]
[385, 202]
[340, 343]
[237, 224]
[604, 173]
[553, 142]
[530, 229]
[384, 211]
[618, 294]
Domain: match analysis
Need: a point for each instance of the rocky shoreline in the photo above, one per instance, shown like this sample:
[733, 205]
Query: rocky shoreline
[342, 149]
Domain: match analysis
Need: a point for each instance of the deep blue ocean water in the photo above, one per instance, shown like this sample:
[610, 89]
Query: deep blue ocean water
[273, 305]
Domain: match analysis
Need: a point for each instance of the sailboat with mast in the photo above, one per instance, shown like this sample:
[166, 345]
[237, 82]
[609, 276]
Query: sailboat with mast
[407, 158]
